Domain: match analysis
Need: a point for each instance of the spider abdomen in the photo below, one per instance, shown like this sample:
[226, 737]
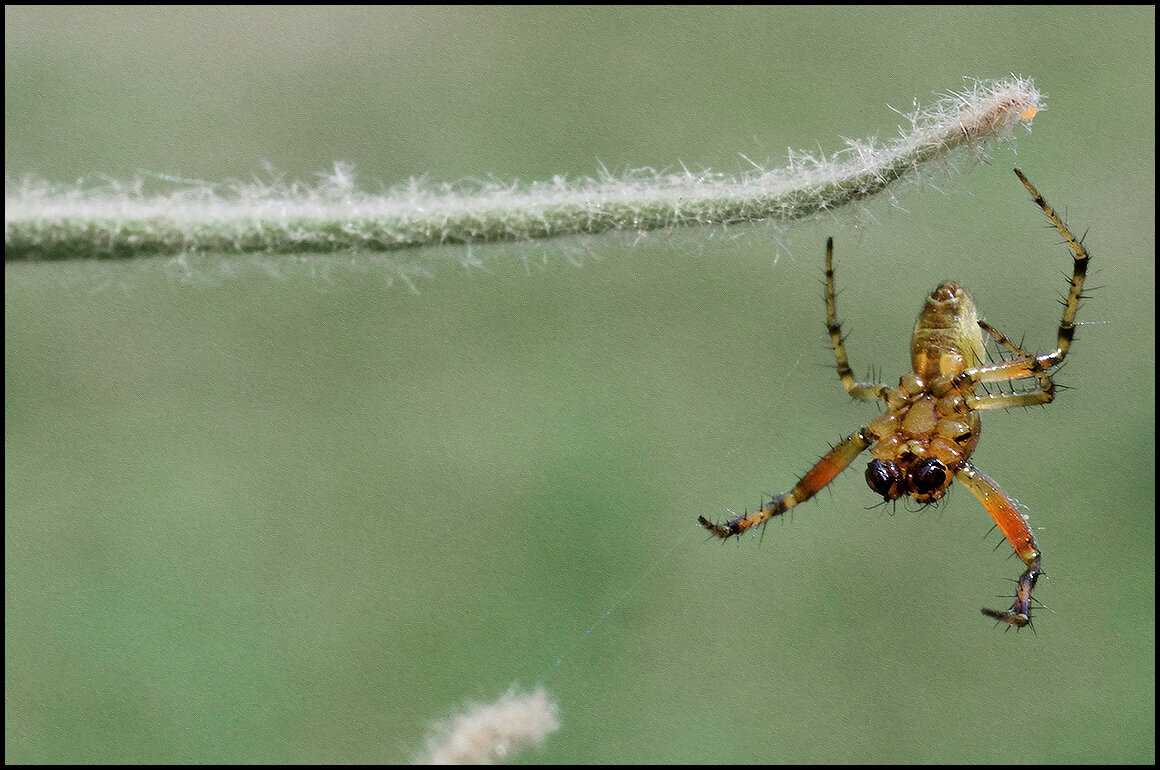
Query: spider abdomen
[947, 339]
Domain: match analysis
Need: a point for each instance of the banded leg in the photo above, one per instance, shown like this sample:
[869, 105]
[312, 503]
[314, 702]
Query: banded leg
[1014, 527]
[1075, 293]
[824, 471]
[863, 391]
[1026, 364]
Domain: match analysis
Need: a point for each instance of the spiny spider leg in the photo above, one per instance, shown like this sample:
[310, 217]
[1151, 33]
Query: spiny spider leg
[1025, 364]
[863, 391]
[824, 471]
[1079, 271]
[1014, 527]
[1009, 400]
[837, 459]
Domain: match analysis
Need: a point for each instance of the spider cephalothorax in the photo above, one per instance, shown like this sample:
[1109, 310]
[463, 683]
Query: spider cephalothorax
[924, 439]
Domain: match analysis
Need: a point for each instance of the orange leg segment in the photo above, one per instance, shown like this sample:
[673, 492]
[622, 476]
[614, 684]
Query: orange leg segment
[1014, 527]
[826, 470]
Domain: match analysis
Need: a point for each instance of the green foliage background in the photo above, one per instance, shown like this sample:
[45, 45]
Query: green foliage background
[286, 516]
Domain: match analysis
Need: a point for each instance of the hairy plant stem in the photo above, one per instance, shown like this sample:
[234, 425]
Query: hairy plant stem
[47, 222]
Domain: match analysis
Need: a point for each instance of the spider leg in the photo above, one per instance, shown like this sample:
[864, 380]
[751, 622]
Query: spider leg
[1027, 364]
[1023, 365]
[1075, 292]
[1014, 527]
[863, 391]
[824, 471]
[1019, 352]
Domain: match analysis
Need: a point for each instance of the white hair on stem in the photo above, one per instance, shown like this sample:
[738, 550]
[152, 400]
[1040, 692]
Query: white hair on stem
[117, 221]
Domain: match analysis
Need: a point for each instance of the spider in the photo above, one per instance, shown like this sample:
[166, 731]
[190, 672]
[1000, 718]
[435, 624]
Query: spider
[924, 439]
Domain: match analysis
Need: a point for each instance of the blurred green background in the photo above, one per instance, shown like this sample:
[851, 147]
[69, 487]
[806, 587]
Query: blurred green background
[284, 516]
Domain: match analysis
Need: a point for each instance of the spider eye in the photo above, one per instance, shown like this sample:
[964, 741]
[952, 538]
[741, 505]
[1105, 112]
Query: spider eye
[883, 476]
[929, 476]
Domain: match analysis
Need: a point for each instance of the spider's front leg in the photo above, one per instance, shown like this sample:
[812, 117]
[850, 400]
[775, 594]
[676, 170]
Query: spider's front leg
[824, 471]
[1014, 527]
